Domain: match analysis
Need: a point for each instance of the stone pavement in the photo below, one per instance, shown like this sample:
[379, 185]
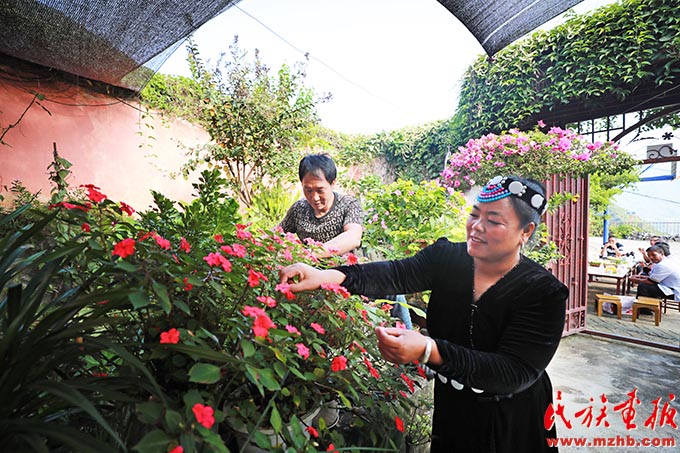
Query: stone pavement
[667, 332]
[587, 367]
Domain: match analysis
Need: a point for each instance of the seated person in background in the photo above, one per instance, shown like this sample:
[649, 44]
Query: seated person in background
[655, 240]
[664, 278]
[611, 248]
[646, 264]
[325, 216]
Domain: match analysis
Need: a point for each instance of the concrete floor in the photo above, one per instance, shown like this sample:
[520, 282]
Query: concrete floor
[586, 367]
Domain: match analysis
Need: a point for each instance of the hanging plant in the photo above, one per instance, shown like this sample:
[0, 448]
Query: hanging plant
[532, 154]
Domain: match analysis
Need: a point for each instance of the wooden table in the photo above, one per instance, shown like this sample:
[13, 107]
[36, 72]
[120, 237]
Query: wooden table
[621, 276]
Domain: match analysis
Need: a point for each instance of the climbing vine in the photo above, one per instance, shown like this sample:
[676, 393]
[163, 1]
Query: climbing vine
[611, 52]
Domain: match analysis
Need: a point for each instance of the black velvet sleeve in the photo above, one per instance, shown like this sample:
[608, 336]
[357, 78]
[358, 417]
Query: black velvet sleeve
[525, 346]
[405, 276]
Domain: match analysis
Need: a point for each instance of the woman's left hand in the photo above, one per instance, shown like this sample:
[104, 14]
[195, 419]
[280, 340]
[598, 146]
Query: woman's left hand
[400, 345]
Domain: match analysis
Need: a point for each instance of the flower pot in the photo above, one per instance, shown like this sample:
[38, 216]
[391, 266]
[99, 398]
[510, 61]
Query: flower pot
[274, 439]
[330, 412]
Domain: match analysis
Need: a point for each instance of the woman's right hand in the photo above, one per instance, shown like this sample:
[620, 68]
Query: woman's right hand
[302, 277]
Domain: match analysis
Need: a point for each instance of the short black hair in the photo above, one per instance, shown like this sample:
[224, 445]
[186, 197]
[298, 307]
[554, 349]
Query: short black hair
[318, 164]
[657, 249]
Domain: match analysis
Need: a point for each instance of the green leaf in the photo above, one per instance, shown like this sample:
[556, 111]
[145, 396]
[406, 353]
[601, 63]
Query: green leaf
[139, 299]
[173, 419]
[182, 306]
[154, 442]
[204, 373]
[162, 293]
[126, 266]
[268, 380]
[247, 347]
[149, 413]
[275, 419]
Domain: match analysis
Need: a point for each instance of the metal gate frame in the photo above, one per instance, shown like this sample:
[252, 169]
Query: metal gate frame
[568, 228]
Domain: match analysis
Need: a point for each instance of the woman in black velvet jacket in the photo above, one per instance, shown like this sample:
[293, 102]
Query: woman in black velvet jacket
[494, 319]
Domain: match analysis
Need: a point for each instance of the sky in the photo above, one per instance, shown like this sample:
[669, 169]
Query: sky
[388, 64]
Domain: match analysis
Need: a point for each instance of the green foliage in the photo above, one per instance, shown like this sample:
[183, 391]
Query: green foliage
[56, 346]
[211, 212]
[416, 153]
[256, 122]
[541, 249]
[175, 95]
[270, 205]
[172, 329]
[403, 216]
[611, 52]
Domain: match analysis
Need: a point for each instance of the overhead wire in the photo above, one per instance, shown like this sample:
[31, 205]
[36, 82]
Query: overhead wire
[309, 56]
[653, 198]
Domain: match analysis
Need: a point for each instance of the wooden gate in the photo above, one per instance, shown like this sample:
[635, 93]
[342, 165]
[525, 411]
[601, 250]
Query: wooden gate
[568, 228]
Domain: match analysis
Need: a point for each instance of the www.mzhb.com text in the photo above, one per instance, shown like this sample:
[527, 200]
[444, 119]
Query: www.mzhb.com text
[614, 441]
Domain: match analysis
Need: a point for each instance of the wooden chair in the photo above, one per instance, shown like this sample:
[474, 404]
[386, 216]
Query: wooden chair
[669, 301]
[649, 303]
[602, 298]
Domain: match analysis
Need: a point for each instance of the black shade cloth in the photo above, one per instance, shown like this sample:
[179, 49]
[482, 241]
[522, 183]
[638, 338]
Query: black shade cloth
[497, 23]
[123, 42]
[119, 42]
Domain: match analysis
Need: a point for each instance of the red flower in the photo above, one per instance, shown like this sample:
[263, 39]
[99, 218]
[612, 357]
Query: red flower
[241, 232]
[254, 278]
[318, 328]
[352, 259]
[337, 289]
[162, 242]
[170, 337]
[251, 311]
[218, 238]
[239, 250]
[85, 227]
[93, 193]
[399, 423]
[339, 363]
[302, 350]
[356, 344]
[63, 204]
[364, 315]
[285, 289]
[145, 235]
[331, 447]
[267, 300]
[126, 208]
[421, 372]
[292, 329]
[177, 449]
[215, 259]
[187, 286]
[409, 382]
[312, 431]
[371, 368]
[124, 248]
[184, 245]
[261, 325]
[204, 415]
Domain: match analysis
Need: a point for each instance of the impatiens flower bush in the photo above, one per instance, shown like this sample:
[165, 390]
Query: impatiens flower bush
[533, 154]
[223, 352]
